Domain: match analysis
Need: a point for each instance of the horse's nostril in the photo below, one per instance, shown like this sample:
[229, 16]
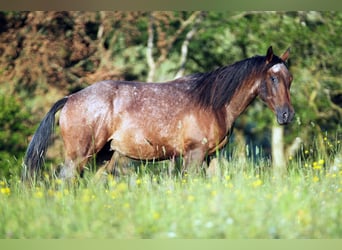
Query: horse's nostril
[285, 116]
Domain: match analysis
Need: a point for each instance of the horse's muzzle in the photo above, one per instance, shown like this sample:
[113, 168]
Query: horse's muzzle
[284, 114]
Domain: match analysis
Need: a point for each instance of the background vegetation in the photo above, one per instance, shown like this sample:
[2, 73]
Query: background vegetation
[46, 55]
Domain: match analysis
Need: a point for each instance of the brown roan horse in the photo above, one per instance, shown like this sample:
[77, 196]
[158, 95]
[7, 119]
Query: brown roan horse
[189, 117]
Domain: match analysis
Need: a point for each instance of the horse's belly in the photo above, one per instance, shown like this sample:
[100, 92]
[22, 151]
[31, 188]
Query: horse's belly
[137, 146]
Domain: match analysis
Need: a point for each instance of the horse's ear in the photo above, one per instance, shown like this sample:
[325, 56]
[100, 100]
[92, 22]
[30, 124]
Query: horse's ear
[286, 55]
[269, 55]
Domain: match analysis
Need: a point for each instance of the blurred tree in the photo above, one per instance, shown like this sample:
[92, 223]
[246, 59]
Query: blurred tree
[165, 32]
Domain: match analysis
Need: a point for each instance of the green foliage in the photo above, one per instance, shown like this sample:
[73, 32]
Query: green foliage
[13, 133]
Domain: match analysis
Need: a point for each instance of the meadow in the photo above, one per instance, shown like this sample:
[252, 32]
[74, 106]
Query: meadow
[245, 199]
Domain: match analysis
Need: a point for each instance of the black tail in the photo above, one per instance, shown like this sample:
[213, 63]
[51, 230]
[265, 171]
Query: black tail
[36, 150]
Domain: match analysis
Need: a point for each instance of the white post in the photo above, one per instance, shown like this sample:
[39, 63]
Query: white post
[278, 156]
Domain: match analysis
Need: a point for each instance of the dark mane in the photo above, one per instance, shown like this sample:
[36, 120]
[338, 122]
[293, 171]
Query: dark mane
[216, 88]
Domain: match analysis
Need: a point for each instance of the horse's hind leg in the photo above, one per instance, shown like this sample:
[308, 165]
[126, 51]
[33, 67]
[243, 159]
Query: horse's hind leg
[78, 150]
[75, 159]
[68, 170]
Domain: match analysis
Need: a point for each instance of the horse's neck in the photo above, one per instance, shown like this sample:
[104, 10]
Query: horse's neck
[240, 101]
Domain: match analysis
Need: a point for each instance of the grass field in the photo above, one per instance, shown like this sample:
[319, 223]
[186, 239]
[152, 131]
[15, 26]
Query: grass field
[245, 200]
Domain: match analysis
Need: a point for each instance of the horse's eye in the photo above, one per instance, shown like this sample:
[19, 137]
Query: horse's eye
[274, 79]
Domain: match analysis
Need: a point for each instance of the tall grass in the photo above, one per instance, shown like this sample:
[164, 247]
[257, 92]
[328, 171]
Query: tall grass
[242, 200]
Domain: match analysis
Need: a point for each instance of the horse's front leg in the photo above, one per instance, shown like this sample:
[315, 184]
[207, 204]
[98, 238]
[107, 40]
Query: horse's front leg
[117, 166]
[193, 161]
[109, 167]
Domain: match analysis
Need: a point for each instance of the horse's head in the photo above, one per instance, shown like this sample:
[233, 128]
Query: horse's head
[275, 86]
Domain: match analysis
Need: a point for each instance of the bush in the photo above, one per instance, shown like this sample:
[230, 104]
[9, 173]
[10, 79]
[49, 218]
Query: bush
[13, 134]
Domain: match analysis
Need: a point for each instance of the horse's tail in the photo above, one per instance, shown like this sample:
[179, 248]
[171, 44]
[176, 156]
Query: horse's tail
[36, 150]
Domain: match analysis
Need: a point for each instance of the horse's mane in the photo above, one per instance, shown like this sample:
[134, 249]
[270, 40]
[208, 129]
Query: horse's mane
[216, 88]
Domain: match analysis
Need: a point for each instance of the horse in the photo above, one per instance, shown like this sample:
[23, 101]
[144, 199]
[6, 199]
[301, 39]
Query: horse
[189, 117]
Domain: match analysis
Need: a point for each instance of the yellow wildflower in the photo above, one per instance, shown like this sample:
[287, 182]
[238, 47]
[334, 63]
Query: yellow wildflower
[257, 183]
[114, 195]
[316, 165]
[191, 198]
[58, 195]
[121, 187]
[229, 185]
[38, 194]
[156, 215]
[315, 179]
[51, 192]
[58, 181]
[46, 176]
[111, 181]
[87, 195]
[5, 190]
